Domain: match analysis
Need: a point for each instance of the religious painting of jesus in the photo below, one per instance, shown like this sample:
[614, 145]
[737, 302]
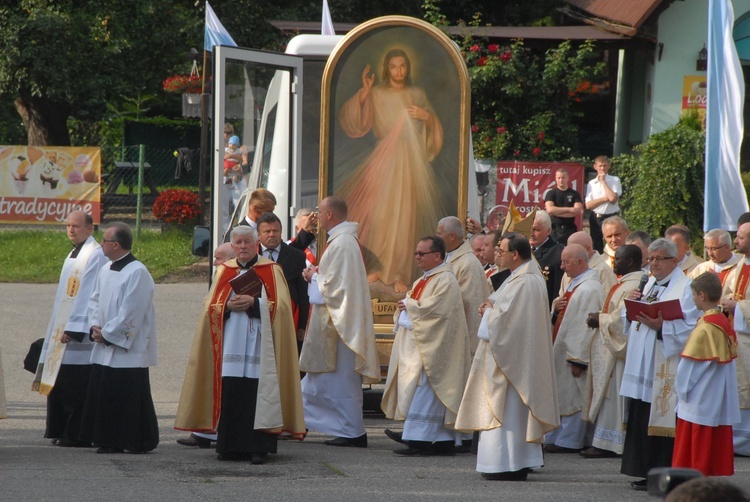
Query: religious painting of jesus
[395, 140]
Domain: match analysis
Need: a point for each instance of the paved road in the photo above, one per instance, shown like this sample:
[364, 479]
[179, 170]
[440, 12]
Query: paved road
[31, 469]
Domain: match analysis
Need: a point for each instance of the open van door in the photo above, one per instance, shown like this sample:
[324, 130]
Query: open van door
[247, 93]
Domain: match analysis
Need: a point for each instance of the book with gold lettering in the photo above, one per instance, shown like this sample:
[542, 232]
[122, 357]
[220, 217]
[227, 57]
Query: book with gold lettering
[247, 284]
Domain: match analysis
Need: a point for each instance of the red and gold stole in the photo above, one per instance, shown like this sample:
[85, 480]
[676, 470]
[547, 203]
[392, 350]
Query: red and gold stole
[216, 310]
[742, 281]
[611, 293]
[561, 314]
[416, 293]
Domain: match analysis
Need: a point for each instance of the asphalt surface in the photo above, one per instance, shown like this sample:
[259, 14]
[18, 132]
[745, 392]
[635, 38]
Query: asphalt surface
[33, 470]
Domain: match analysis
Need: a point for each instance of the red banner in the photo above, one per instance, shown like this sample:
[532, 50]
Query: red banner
[44, 184]
[526, 182]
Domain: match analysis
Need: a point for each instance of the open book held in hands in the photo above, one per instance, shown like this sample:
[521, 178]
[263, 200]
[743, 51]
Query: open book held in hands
[670, 309]
[247, 284]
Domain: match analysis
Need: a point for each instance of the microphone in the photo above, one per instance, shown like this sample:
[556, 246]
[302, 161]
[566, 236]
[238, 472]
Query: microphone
[642, 284]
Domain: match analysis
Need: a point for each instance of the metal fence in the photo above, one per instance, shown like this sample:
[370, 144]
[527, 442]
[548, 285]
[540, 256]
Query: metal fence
[139, 173]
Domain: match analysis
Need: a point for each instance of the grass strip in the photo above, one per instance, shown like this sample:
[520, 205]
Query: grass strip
[36, 256]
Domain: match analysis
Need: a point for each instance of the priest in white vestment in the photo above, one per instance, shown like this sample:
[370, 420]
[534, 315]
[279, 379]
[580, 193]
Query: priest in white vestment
[65, 361]
[721, 260]
[119, 412]
[430, 357]
[571, 347]
[597, 261]
[736, 301]
[339, 353]
[602, 404]
[654, 346]
[511, 405]
[468, 270]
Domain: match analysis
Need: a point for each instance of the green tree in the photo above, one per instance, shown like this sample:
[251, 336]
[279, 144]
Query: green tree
[68, 58]
[662, 184]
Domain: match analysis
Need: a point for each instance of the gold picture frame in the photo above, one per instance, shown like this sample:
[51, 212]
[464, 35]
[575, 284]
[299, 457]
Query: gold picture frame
[400, 155]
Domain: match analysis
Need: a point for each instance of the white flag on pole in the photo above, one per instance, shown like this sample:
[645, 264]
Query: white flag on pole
[326, 25]
[725, 197]
[215, 33]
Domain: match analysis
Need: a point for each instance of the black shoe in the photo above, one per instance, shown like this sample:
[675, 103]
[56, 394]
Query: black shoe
[193, 440]
[639, 486]
[440, 449]
[553, 448]
[409, 451]
[465, 446]
[231, 457]
[358, 442]
[594, 452]
[55, 442]
[395, 435]
[107, 449]
[70, 443]
[257, 458]
[506, 476]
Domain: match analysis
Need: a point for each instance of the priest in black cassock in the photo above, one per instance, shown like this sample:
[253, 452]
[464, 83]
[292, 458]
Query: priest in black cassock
[119, 412]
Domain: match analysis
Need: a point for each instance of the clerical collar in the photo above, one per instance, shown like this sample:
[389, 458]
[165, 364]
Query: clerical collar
[681, 262]
[77, 249]
[330, 231]
[121, 263]
[665, 282]
[579, 279]
[248, 264]
[428, 273]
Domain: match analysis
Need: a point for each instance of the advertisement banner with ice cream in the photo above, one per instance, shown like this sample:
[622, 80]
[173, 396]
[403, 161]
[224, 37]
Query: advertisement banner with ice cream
[46, 183]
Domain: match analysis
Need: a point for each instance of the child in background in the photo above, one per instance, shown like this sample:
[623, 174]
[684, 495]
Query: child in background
[707, 396]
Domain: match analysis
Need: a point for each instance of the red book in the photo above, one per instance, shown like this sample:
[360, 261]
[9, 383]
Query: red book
[247, 284]
[670, 309]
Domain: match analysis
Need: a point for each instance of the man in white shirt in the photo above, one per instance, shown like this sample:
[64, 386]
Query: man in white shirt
[602, 196]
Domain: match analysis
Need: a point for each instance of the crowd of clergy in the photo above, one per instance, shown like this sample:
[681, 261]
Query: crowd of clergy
[509, 345]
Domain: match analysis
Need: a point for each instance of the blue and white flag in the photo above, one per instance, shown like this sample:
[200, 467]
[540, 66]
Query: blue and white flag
[326, 25]
[215, 33]
[725, 198]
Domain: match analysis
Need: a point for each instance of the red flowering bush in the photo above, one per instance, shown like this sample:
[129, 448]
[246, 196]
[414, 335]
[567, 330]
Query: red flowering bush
[177, 206]
[521, 97]
[183, 84]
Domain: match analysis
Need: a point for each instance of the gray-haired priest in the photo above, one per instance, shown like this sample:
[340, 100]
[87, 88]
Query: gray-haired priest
[242, 378]
[512, 406]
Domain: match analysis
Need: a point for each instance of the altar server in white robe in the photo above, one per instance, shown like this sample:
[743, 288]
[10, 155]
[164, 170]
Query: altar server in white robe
[510, 395]
[602, 404]
[119, 412]
[65, 361]
[571, 341]
[430, 357]
[654, 346]
[339, 352]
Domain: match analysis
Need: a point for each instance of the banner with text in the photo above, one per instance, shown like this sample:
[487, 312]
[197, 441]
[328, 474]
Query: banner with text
[526, 182]
[44, 184]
